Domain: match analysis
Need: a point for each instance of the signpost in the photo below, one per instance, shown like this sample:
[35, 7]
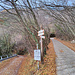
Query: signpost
[38, 55]
[41, 33]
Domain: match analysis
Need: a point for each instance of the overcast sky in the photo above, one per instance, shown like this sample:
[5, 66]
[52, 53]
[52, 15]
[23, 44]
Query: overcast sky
[69, 2]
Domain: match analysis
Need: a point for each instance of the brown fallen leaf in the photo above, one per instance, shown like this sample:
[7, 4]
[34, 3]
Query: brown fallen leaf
[61, 51]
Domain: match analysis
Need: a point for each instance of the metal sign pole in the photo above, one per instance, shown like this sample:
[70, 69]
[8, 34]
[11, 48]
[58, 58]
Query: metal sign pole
[37, 46]
[38, 65]
[38, 61]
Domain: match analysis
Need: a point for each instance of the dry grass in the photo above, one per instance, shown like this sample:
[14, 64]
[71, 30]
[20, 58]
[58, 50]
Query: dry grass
[29, 66]
[49, 67]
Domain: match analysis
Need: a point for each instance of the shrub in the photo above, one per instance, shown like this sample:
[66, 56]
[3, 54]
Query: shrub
[5, 45]
[22, 51]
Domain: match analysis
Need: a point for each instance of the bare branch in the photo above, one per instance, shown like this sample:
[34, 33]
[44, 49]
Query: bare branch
[8, 10]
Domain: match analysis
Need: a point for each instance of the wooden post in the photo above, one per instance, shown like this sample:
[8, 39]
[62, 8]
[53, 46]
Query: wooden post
[42, 61]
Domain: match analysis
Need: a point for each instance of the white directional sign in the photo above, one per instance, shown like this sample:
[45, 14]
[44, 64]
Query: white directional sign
[41, 32]
[42, 37]
[37, 55]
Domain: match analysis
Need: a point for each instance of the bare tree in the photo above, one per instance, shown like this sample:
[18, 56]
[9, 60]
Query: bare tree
[26, 11]
[27, 17]
[64, 16]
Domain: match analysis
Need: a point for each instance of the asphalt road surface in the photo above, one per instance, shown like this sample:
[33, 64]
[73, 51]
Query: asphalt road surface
[65, 59]
[13, 67]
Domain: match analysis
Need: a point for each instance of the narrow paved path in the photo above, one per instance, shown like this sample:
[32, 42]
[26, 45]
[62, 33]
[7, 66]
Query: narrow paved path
[65, 59]
[12, 68]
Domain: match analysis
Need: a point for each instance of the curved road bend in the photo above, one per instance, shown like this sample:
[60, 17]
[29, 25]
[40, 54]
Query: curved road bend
[65, 59]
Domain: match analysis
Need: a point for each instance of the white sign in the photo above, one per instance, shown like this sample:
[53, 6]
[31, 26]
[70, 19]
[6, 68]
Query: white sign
[41, 32]
[42, 37]
[37, 55]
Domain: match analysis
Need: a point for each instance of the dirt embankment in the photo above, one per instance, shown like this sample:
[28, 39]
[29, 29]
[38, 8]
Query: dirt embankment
[29, 66]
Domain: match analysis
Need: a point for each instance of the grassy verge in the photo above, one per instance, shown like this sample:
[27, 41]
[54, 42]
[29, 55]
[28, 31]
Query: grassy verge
[29, 66]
